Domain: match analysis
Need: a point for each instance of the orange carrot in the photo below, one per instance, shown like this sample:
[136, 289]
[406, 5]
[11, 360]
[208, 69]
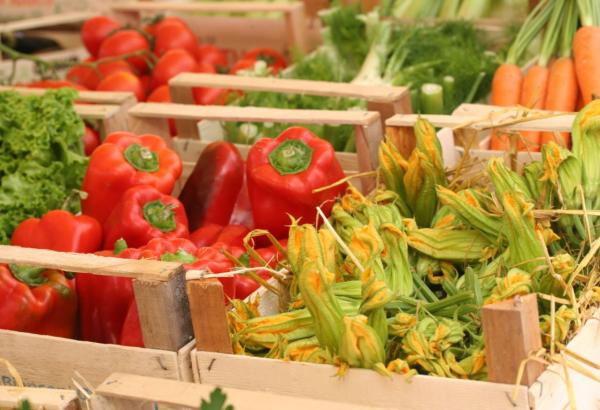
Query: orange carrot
[586, 48]
[499, 141]
[561, 95]
[580, 103]
[533, 95]
[506, 85]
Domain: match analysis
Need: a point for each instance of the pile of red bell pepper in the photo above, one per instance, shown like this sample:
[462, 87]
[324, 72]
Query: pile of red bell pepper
[129, 212]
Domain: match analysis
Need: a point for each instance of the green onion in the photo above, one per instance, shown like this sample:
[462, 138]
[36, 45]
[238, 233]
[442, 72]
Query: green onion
[432, 99]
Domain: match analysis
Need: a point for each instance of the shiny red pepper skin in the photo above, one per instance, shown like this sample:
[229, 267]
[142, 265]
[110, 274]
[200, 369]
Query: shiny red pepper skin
[61, 231]
[125, 160]
[206, 235]
[144, 213]
[103, 304]
[211, 191]
[282, 174]
[42, 302]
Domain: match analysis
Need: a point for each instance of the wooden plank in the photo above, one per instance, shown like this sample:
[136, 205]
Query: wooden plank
[164, 312]
[46, 21]
[134, 390]
[48, 399]
[101, 265]
[549, 392]
[358, 386]
[97, 97]
[296, 28]
[185, 128]
[209, 316]
[96, 111]
[512, 333]
[205, 6]
[562, 122]
[253, 114]
[375, 93]
[47, 361]
[184, 362]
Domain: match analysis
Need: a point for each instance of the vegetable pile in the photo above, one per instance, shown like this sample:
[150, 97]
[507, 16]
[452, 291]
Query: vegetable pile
[41, 153]
[129, 211]
[395, 281]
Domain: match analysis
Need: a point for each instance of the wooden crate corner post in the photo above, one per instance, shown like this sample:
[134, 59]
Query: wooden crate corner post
[368, 138]
[512, 334]
[209, 315]
[164, 312]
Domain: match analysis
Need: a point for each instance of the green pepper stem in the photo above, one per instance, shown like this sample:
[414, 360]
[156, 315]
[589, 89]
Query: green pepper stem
[180, 256]
[291, 157]
[142, 158]
[160, 216]
[29, 275]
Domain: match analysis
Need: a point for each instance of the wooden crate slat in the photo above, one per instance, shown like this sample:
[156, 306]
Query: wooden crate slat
[280, 85]
[207, 6]
[101, 265]
[48, 361]
[561, 123]
[358, 386]
[46, 21]
[48, 399]
[253, 114]
[131, 390]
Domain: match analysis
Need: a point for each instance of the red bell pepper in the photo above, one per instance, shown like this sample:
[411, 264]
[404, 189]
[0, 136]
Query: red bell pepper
[59, 231]
[211, 191]
[242, 211]
[282, 174]
[103, 305]
[143, 213]
[125, 160]
[37, 300]
[206, 235]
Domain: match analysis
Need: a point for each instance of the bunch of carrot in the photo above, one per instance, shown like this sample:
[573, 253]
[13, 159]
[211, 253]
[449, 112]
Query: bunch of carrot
[566, 75]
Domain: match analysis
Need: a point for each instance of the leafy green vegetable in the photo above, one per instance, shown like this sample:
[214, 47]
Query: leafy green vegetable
[216, 401]
[41, 155]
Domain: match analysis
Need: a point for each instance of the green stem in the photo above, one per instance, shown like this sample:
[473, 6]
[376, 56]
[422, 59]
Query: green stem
[533, 24]
[552, 32]
[142, 158]
[160, 216]
[586, 12]
[291, 157]
[569, 29]
[29, 275]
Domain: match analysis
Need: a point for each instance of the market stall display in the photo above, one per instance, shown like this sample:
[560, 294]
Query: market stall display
[236, 207]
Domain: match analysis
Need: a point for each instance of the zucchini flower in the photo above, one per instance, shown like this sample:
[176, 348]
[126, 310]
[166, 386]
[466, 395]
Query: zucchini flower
[516, 282]
[466, 205]
[392, 167]
[450, 245]
[361, 346]
[525, 249]
[586, 146]
[315, 284]
[401, 324]
[505, 180]
[307, 350]
[564, 318]
[397, 274]
[343, 222]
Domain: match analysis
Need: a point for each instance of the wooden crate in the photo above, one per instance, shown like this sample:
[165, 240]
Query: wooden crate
[26, 70]
[39, 398]
[107, 109]
[164, 315]
[474, 122]
[213, 363]
[151, 118]
[125, 391]
[386, 100]
[236, 33]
